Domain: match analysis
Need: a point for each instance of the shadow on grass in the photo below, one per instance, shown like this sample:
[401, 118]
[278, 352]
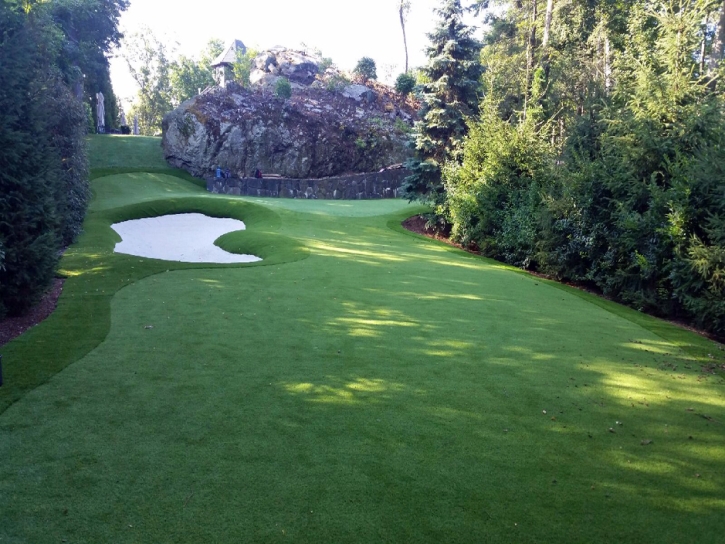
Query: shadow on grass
[509, 420]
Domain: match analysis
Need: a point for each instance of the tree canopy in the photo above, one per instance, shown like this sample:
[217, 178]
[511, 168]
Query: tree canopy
[596, 153]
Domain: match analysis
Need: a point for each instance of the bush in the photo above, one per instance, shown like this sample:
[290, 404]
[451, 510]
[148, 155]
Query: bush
[337, 82]
[90, 123]
[44, 176]
[283, 89]
[494, 194]
[366, 69]
[325, 63]
[405, 83]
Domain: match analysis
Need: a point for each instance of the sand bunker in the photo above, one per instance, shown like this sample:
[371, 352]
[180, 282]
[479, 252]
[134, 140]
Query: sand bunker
[186, 238]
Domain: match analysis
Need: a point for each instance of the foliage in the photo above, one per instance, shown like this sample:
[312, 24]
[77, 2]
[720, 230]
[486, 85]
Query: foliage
[493, 194]
[243, 66]
[448, 98]
[187, 75]
[336, 82]
[148, 61]
[44, 180]
[283, 88]
[366, 69]
[405, 83]
[457, 363]
[598, 154]
[325, 63]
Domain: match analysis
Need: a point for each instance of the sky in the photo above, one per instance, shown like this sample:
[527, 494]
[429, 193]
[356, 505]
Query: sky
[344, 30]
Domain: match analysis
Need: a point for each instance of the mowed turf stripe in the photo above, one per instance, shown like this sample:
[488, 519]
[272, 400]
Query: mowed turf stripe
[326, 400]
[387, 388]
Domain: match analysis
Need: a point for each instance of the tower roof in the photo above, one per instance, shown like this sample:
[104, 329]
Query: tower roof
[229, 56]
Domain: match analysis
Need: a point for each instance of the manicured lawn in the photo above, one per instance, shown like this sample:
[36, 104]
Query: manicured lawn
[360, 384]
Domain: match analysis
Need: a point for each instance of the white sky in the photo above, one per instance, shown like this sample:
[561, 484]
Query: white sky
[344, 30]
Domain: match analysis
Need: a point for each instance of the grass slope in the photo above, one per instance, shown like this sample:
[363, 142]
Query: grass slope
[385, 388]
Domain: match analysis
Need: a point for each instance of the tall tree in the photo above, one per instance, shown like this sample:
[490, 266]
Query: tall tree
[449, 97]
[718, 47]
[244, 65]
[598, 155]
[547, 22]
[188, 75]
[148, 60]
[403, 10]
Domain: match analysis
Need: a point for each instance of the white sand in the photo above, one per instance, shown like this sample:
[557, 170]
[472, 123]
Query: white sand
[186, 237]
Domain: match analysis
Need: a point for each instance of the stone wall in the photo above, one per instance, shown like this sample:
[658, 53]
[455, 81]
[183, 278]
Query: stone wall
[385, 184]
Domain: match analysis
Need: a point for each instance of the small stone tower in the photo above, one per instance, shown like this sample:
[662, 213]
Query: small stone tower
[223, 63]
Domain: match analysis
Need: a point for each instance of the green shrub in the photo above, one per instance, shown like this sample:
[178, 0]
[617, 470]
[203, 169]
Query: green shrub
[366, 69]
[44, 176]
[405, 83]
[325, 63]
[403, 127]
[337, 82]
[90, 128]
[283, 89]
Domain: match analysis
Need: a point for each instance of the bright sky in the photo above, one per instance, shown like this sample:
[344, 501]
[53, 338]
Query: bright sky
[342, 29]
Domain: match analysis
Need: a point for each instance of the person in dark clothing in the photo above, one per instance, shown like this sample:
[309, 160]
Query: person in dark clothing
[258, 174]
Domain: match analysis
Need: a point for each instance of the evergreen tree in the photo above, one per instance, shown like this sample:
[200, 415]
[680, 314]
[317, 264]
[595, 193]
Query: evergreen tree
[598, 157]
[449, 96]
[29, 225]
[44, 179]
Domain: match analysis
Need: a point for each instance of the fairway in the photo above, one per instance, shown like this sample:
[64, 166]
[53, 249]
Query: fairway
[359, 384]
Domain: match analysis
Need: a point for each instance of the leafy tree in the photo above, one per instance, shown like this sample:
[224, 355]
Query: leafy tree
[148, 61]
[405, 83]
[90, 32]
[244, 65]
[366, 69]
[403, 11]
[187, 75]
[660, 135]
[448, 98]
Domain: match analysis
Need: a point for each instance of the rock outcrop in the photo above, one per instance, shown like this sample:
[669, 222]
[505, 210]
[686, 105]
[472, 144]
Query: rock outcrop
[322, 130]
[299, 68]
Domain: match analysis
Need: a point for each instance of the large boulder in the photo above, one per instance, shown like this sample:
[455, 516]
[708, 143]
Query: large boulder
[300, 68]
[316, 133]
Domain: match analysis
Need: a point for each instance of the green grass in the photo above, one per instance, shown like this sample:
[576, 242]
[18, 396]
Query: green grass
[126, 152]
[359, 385]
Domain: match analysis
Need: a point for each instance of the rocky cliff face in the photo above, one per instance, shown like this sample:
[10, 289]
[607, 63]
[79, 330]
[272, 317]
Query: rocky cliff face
[323, 130]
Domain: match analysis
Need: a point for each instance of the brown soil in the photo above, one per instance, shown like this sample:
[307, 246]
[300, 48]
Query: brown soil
[12, 327]
[418, 223]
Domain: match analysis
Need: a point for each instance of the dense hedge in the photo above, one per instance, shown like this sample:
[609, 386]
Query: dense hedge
[626, 192]
[43, 161]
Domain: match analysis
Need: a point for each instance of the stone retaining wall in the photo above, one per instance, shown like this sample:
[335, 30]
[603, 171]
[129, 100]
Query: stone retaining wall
[385, 184]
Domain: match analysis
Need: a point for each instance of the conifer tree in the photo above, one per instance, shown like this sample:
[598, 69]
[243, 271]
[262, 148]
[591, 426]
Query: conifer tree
[449, 97]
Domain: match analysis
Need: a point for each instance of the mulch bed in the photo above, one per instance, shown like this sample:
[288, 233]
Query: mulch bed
[13, 327]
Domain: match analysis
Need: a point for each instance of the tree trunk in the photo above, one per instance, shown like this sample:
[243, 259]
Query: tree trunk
[547, 22]
[403, 7]
[607, 65]
[703, 50]
[530, 47]
[718, 44]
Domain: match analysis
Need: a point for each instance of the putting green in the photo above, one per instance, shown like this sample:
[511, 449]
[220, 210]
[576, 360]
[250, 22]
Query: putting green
[360, 385]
